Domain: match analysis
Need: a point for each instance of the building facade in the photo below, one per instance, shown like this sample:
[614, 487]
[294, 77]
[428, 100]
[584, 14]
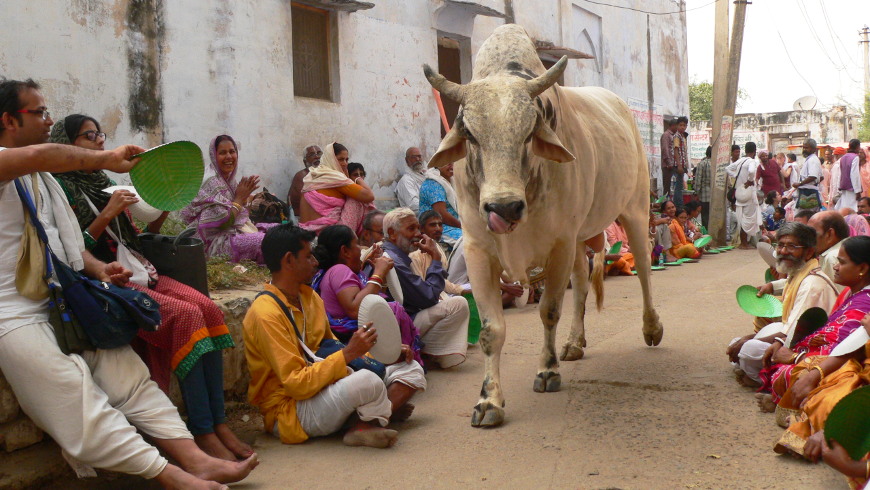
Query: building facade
[279, 75]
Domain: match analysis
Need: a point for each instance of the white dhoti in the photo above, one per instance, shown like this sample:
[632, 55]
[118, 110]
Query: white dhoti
[90, 404]
[457, 270]
[362, 392]
[444, 331]
[848, 199]
[750, 355]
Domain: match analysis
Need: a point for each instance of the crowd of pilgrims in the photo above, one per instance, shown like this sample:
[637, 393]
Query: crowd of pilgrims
[345, 248]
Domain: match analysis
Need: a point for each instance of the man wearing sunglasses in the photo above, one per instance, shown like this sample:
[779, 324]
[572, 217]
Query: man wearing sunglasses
[805, 287]
[91, 403]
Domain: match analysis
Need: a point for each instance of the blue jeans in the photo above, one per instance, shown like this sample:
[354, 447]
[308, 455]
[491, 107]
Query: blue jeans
[203, 393]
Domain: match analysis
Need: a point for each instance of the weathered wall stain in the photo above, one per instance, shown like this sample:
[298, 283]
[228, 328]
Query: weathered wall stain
[145, 34]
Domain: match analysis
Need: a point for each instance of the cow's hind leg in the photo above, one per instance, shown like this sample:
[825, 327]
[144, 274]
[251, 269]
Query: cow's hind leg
[573, 349]
[484, 271]
[558, 270]
[637, 228]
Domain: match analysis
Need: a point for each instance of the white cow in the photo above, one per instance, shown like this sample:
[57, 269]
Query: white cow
[525, 201]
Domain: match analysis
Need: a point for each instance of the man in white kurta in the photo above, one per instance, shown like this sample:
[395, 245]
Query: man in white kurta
[747, 210]
[810, 175]
[91, 403]
[849, 182]
[408, 187]
[805, 286]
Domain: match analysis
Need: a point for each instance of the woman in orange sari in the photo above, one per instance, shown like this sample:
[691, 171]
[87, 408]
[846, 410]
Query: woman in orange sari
[818, 382]
[682, 247]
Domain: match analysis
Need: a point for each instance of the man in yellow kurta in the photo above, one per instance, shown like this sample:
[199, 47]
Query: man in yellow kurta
[300, 399]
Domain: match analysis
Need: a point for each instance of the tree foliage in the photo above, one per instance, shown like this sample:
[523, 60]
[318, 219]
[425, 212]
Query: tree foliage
[701, 100]
[864, 129]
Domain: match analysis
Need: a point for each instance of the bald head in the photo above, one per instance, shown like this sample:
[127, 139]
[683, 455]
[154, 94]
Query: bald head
[831, 228]
[414, 158]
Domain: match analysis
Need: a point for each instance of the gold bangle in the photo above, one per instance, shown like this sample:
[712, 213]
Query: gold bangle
[821, 371]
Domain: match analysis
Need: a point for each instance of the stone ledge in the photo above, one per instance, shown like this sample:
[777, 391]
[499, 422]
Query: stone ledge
[18, 432]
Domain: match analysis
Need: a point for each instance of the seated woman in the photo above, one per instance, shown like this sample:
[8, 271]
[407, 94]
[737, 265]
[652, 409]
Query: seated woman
[622, 262]
[660, 226]
[437, 193]
[329, 197]
[219, 214]
[790, 374]
[693, 225]
[342, 290]
[192, 333]
[681, 247]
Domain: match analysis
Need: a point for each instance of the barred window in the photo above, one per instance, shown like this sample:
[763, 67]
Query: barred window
[311, 52]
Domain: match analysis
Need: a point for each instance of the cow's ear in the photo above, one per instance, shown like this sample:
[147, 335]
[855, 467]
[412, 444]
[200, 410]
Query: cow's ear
[452, 148]
[546, 144]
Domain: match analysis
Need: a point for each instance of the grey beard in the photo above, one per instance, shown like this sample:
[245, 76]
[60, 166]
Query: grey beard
[419, 168]
[785, 268]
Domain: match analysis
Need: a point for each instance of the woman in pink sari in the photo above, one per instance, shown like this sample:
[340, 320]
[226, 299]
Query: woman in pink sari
[330, 197]
[219, 214]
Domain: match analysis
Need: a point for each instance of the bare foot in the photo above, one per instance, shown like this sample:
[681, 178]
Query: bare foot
[402, 413]
[746, 247]
[212, 445]
[370, 436]
[748, 382]
[231, 442]
[172, 477]
[765, 402]
[224, 471]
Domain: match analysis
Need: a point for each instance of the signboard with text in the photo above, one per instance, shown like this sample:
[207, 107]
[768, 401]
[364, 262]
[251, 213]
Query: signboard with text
[699, 140]
[649, 122]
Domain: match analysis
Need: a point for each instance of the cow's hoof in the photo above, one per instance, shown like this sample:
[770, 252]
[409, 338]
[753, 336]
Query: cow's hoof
[487, 415]
[653, 339]
[548, 381]
[571, 352]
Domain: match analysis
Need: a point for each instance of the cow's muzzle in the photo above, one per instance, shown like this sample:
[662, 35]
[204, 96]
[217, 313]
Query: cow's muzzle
[503, 217]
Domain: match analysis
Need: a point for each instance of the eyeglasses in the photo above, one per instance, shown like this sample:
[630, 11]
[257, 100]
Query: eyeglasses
[41, 112]
[92, 135]
[789, 247]
[313, 153]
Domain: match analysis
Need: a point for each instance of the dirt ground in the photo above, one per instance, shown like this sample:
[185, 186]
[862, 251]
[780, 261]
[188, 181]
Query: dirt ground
[628, 416]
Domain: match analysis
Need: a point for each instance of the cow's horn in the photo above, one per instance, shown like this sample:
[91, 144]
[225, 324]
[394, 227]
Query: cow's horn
[545, 81]
[451, 90]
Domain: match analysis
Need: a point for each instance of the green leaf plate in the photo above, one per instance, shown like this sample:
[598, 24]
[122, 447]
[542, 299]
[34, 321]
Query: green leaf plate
[849, 425]
[673, 263]
[169, 176]
[766, 306]
[703, 241]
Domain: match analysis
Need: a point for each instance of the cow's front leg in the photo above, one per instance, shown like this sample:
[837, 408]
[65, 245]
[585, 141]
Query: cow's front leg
[484, 271]
[558, 270]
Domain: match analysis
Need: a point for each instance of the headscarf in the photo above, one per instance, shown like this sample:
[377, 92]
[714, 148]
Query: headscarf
[763, 153]
[839, 150]
[327, 175]
[857, 225]
[211, 209]
[79, 184]
[230, 181]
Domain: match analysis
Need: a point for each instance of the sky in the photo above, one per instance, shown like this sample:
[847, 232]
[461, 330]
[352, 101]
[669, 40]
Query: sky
[820, 36]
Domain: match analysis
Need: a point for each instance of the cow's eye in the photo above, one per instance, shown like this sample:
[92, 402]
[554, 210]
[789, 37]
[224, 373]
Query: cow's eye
[469, 136]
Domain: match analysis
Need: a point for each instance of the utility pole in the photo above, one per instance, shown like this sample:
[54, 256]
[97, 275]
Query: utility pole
[726, 73]
[865, 32]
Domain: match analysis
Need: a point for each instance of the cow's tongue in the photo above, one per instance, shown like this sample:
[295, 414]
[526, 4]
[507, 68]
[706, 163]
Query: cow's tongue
[497, 224]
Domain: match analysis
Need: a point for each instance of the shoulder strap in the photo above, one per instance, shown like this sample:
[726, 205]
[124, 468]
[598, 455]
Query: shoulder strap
[824, 277]
[34, 219]
[292, 321]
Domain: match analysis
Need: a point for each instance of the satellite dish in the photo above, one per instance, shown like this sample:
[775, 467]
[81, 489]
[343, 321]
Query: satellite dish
[805, 103]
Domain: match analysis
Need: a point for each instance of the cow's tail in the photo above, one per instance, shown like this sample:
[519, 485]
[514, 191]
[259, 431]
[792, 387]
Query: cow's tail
[597, 278]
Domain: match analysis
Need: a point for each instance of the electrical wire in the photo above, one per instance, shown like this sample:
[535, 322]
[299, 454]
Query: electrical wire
[652, 13]
[788, 55]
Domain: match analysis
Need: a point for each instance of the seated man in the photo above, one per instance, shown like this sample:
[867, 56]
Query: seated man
[310, 158]
[298, 398]
[408, 187]
[806, 286]
[372, 229]
[91, 403]
[443, 324]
